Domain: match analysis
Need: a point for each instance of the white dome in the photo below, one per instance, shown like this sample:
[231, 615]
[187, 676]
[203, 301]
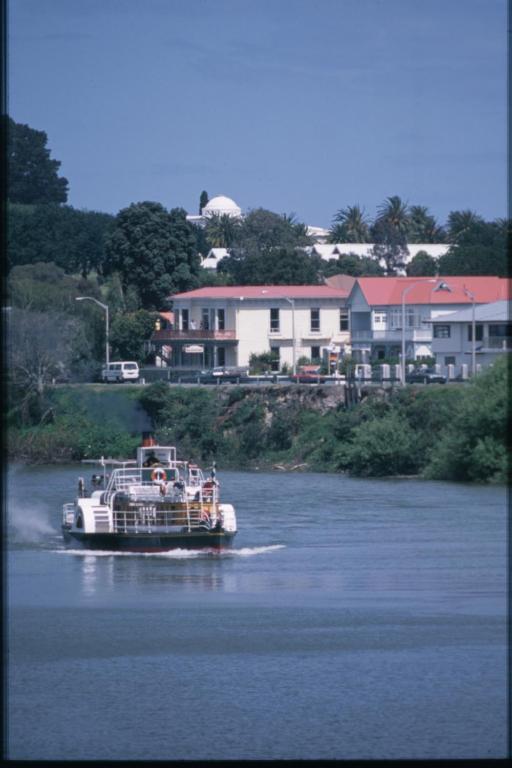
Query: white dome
[221, 206]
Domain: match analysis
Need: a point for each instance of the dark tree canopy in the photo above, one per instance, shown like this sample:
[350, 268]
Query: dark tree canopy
[481, 249]
[268, 248]
[72, 239]
[350, 225]
[32, 175]
[129, 332]
[390, 245]
[154, 252]
[276, 266]
[352, 264]
[422, 265]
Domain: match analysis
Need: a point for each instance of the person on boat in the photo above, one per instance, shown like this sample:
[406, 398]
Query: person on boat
[151, 460]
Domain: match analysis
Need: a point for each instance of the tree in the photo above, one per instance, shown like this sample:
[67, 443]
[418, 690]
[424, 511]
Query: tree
[423, 228]
[45, 287]
[32, 174]
[395, 214]
[460, 222]
[481, 249]
[153, 251]
[203, 201]
[40, 346]
[269, 249]
[221, 230]
[350, 225]
[264, 229]
[390, 233]
[352, 264]
[276, 266]
[422, 265]
[72, 239]
[390, 246]
[129, 332]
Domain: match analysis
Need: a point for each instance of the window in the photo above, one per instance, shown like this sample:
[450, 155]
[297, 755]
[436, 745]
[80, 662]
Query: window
[503, 330]
[441, 331]
[479, 332]
[275, 362]
[274, 320]
[450, 360]
[221, 356]
[315, 353]
[184, 319]
[205, 319]
[344, 320]
[315, 320]
[380, 318]
[221, 320]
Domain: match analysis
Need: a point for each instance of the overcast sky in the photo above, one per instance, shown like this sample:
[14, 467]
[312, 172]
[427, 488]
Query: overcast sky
[298, 106]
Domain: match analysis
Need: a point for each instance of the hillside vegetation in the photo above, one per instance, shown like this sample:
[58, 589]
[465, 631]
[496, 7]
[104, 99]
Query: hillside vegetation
[458, 432]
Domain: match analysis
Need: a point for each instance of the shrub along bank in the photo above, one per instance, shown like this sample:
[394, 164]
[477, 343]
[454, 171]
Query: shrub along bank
[458, 432]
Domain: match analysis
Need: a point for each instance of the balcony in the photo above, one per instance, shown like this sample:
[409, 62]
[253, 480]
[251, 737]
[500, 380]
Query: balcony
[168, 336]
[411, 334]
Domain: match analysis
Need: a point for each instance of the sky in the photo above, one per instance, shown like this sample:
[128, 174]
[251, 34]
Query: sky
[299, 106]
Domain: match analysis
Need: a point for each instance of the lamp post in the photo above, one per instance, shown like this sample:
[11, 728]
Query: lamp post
[471, 295]
[404, 294]
[105, 307]
[292, 302]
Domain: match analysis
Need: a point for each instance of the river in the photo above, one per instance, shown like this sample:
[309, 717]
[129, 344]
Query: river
[354, 619]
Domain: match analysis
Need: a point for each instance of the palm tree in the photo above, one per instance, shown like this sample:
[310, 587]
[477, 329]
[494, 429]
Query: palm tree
[221, 230]
[459, 222]
[395, 213]
[351, 224]
[423, 228]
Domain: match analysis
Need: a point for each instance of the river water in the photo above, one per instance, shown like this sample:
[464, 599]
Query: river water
[354, 619]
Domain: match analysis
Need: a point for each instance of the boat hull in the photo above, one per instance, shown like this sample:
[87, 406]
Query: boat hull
[150, 542]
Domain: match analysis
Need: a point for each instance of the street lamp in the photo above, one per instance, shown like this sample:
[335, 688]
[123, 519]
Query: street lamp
[105, 307]
[404, 294]
[471, 296]
[292, 302]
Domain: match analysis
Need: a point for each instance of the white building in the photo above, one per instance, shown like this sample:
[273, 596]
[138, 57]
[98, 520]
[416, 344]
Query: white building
[223, 326]
[452, 341]
[217, 206]
[328, 251]
[376, 305]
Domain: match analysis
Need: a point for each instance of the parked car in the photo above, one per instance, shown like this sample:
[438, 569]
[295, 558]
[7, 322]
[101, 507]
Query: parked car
[425, 376]
[119, 372]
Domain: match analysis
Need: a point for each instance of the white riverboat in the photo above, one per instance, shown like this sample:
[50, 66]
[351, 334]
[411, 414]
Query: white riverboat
[154, 503]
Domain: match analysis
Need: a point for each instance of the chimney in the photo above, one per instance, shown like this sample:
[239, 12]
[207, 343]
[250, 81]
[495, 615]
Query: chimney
[148, 439]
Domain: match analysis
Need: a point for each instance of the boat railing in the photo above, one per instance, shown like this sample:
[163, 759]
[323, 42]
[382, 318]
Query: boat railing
[138, 483]
[148, 520]
[68, 513]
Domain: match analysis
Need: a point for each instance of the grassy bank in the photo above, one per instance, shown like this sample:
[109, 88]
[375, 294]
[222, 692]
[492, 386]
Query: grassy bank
[457, 432]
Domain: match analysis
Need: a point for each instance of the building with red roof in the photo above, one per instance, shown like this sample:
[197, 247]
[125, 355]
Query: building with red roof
[225, 325]
[378, 306]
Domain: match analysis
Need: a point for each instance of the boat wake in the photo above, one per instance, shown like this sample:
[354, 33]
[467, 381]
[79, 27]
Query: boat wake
[176, 554]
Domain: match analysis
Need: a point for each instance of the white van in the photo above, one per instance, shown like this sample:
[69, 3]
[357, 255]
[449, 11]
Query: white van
[124, 371]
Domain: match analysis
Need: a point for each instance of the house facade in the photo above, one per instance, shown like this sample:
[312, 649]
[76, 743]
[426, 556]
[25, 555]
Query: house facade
[452, 342]
[224, 326]
[377, 305]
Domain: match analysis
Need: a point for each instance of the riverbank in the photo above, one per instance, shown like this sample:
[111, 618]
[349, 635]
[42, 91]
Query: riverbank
[448, 433]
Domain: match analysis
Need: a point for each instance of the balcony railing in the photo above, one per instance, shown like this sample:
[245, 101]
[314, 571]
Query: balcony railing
[194, 334]
[415, 334]
[497, 342]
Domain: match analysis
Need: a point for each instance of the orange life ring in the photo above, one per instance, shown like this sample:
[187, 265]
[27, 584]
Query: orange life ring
[158, 475]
